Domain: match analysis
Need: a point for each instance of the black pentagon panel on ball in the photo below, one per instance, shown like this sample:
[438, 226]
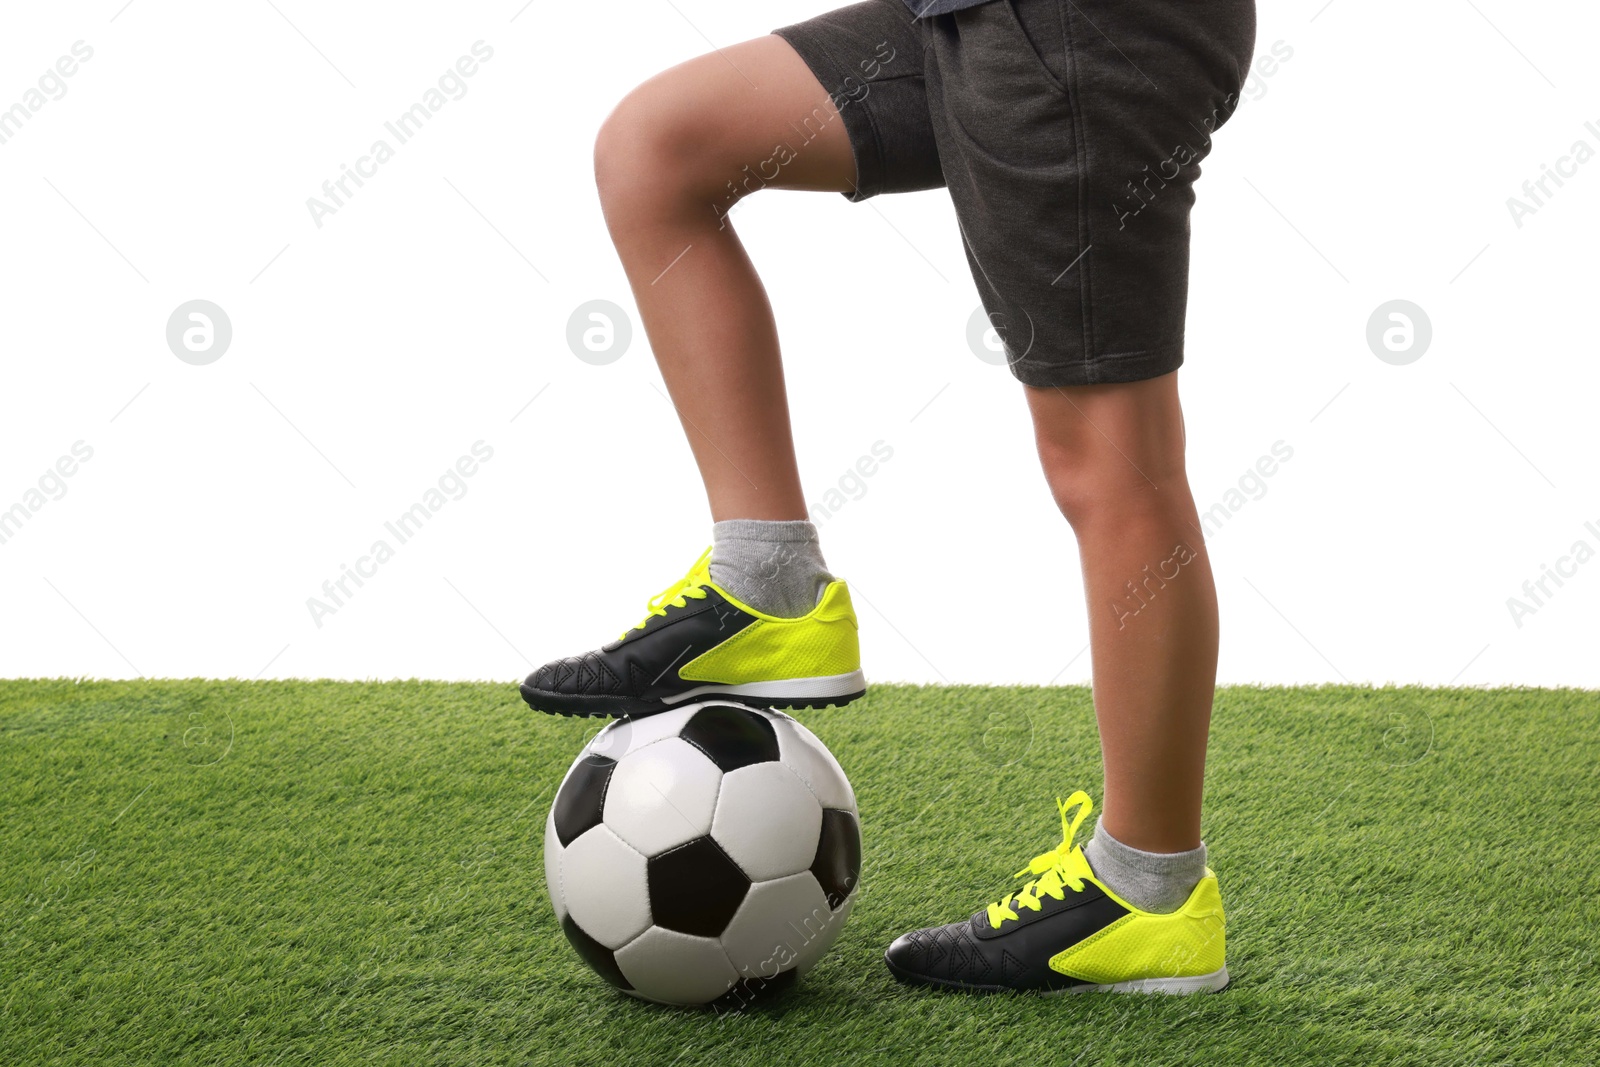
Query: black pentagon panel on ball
[596, 955]
[695, 888]
[582, 797]
[838, 861]
[731, 736]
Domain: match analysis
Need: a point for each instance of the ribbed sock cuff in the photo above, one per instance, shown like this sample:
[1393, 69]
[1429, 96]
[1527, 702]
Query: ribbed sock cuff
[784, 530]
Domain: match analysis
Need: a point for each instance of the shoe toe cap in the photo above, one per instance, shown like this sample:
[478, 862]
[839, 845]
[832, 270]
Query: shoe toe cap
[904, 950]
[944, 955]
[542, 678]
[557, 676]
[909, 955]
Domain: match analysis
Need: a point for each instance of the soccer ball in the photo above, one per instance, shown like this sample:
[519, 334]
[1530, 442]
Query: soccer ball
[707, 854]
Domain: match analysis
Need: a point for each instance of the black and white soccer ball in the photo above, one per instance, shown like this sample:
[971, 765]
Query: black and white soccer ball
[710, 853]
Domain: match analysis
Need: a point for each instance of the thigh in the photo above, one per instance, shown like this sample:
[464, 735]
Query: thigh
[869, 58]
[722, 125]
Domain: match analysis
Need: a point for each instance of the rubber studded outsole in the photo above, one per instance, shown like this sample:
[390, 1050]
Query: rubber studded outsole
[1205, 983]
[625, 707]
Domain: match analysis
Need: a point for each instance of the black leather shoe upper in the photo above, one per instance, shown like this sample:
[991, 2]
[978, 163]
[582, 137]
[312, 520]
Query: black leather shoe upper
[644, 663]
[974, 955]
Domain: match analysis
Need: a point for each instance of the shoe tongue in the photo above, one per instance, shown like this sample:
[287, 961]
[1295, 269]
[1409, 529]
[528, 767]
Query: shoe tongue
[700, 573]
[1077, 863]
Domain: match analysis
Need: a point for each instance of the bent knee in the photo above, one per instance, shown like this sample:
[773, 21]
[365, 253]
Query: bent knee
[655, 148]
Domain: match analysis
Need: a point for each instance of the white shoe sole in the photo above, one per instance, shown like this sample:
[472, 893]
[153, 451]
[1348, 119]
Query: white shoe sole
[784, 690]
[1200, 983]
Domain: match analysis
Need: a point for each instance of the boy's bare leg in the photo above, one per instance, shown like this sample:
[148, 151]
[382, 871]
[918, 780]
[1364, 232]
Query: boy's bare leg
[1113, 457]
[1113, 454]
[670, 160]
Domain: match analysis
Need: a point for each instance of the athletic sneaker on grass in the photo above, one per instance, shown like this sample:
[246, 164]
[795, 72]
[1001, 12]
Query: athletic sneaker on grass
[1066, 931]
[698, 641]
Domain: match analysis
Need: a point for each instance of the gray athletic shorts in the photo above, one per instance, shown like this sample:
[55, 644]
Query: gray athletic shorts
[1070, 134]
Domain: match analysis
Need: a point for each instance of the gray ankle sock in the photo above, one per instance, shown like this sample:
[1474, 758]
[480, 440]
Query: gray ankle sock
[1154, 881]
[774, 566]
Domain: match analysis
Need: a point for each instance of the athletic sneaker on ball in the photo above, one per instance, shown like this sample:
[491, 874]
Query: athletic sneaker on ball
[1065, 931]
[699, 641]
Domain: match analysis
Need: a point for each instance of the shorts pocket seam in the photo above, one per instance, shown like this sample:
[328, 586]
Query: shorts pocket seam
[1080, 147]
[1044, 68]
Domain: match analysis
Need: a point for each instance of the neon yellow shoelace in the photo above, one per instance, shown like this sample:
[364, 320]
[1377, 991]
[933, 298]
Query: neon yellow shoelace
[1055, 870]
[679, 593]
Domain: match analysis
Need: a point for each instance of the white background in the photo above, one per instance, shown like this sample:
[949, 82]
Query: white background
[370, 353]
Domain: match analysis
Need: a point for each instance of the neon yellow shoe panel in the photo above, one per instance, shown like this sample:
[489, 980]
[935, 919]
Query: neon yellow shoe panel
[821, 643]
[698, 641]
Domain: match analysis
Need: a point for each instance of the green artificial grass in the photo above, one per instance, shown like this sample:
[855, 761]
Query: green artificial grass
[280, 873]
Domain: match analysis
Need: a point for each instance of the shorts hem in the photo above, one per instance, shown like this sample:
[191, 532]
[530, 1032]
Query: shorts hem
[1099, 370]
[857, 121]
